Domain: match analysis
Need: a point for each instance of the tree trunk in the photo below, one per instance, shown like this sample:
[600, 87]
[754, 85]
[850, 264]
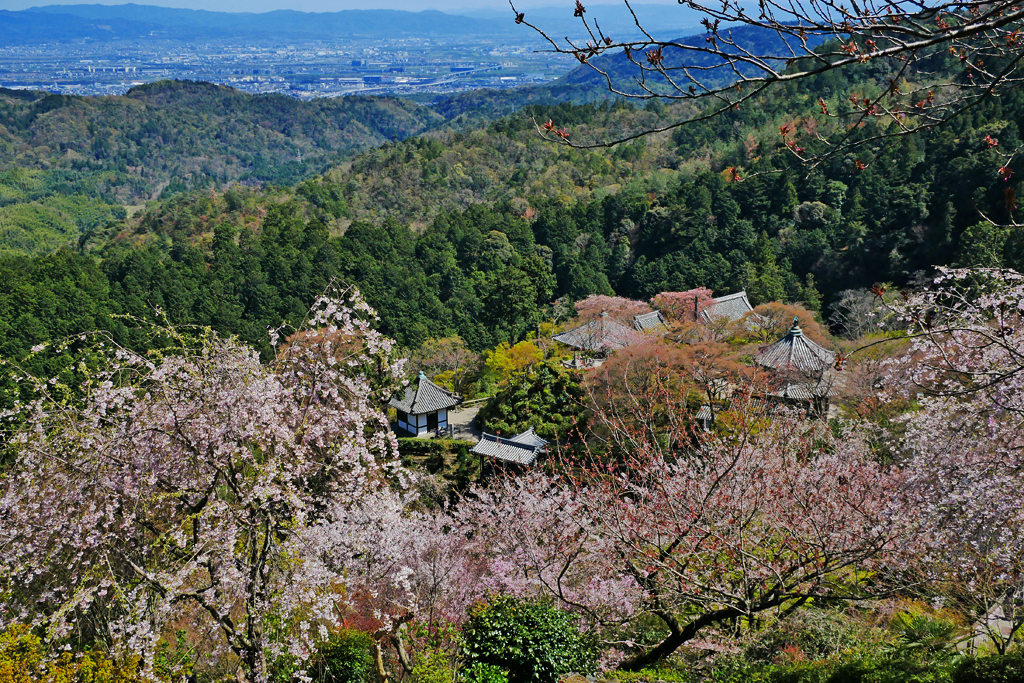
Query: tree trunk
[378, 658]
[403, 655]
[677, 637]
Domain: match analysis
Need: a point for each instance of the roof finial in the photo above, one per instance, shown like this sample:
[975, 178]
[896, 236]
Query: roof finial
[795, 330]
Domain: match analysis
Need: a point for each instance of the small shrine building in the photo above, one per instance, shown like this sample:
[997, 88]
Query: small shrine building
[520, 450]
[423, 407]
[802, 368]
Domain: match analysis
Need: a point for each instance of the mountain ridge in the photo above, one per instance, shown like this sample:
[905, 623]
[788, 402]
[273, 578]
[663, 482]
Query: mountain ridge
[190, 23]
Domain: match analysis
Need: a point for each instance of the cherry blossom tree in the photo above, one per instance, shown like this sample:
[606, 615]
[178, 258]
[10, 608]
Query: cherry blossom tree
[964, 445]
[619, 309]
[683, 306]
[705, 531]
[184, 484]
[402, 565]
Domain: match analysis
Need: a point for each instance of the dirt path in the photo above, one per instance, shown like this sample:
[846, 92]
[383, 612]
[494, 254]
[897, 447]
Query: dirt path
[463, 422]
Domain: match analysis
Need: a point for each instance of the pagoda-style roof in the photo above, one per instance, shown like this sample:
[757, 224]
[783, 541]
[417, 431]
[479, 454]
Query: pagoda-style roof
[425, 397]
[796, 352]
[805, 391]
[731, 307]
[599, 334]
[650, 322]
[521, 449]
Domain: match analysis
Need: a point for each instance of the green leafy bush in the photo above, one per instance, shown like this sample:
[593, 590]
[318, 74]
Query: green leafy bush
[433, 667]
[861, 670]
[432, 453]
[812, 635]
[532, 641]
[484, 673]
[658, 675]
[996, 669]
[347, 657]
[546, 398]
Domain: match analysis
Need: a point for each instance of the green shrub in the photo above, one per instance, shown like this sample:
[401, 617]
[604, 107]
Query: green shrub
[995, 669]
[545, 397]
[532, 641]
[925, 635]
[890, 671]
[433, 667]
[484, 673]
[22, 660]
[659, 675]
[347, 657]
[844, 671]
[434, 451]
[811, 635]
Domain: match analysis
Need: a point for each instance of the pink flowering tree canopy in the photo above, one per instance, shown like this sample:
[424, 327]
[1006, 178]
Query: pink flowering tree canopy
[701, 530]
[965, 444]
[619, 309]
[184, 485]
[683, 306]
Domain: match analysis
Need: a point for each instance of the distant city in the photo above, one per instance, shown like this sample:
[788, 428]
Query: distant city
[105, 50]
[307, 70]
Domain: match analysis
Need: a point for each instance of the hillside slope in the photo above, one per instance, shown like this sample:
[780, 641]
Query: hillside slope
[71, 164]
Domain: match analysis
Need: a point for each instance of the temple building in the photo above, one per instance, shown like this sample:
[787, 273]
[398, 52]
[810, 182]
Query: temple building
[650, 322]
[604, 334]
[803, 371]
[519, 450]
[423, 408]
[731, 307]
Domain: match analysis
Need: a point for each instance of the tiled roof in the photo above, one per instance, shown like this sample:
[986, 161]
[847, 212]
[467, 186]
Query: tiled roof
[425, 397]
[530, 437]
[731, 306]
[796, 352]
[602, 333]
[705, 413]
[649, 322]
[521, 449]
[805, 390]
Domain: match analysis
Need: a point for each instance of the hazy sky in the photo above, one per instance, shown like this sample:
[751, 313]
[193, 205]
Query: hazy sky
[325, 5]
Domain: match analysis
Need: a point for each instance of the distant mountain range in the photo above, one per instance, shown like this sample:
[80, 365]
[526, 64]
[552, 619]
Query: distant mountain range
[624, 74]
[63, 23]
[585, 84]
[614, 19]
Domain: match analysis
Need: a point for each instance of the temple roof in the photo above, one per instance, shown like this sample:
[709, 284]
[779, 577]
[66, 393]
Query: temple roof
[425, 397]
[521, 449]
[805, 391]
[796, 352]
[649, 322]
[731, 306]
[600, 333]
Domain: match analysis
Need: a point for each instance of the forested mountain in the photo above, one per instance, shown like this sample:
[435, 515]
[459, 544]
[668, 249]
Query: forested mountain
[476, 230]
[29, 28]
[71, 163]
[193, 134]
